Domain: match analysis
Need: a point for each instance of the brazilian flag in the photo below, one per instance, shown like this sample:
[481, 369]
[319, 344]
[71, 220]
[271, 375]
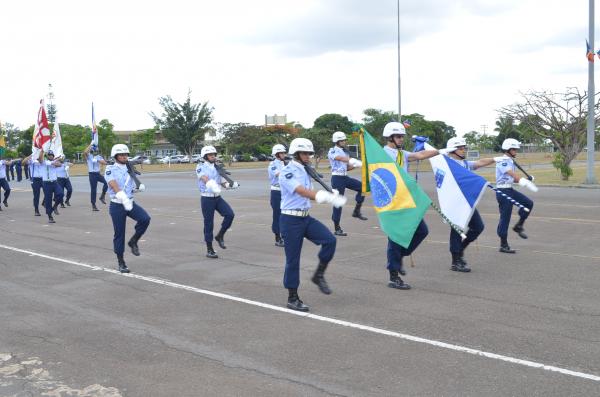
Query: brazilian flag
[2, 145]
[399, 201]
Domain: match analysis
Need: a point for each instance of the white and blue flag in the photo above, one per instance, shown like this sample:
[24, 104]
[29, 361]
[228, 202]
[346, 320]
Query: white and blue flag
[459, 189]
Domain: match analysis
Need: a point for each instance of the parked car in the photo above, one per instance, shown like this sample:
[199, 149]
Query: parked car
[262, 157]
[175, 159]
[140, 159]
[185, 159]
[196, 159]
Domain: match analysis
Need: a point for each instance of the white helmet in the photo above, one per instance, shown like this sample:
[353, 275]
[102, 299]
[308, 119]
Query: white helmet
[119, 148]
[301, 145]
[393, 128]
[455, 143]
[510, 143]
[279, 148]
[338, 136]
[207, 150]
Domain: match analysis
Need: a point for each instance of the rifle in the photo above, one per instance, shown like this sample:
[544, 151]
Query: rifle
[133, 173]
[317, 177]
[224, 173]
[522, 170]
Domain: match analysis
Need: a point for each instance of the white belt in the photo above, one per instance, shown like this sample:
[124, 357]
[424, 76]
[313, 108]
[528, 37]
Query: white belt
[339, 173]
[275, 187]
[504, 186]
[210, 194]
[117, 201]
[295, 212]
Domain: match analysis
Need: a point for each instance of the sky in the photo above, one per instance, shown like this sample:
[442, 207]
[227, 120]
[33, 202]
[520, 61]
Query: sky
[461, 60]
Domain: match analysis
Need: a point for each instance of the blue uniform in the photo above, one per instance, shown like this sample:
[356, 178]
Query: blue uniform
[341, 181]
[297, 224]
[52, 191]
[211, 202]
[63, 180]
[457, 245]
[274, 169]
[93, 163]
[3, 180]
[118, 214]
[395, 251]
[504, 183]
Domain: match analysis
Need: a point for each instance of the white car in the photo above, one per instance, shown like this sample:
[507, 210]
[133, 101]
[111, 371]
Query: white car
[185, 159]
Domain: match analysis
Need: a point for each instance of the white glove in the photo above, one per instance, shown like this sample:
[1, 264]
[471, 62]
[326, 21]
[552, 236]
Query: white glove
[128, 205]
[443, 151]
[67, 167]
[336, 192]
[226, 184]
[235, 185]
[121, 196]
[355, 162]
[336, 200]
[142, 187]
[528, 184]
[213, 187]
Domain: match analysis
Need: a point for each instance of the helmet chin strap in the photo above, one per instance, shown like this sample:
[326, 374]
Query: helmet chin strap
[458, 155]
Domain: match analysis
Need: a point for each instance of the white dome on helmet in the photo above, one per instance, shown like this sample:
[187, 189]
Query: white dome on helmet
[454, 143]
[279, 148]
[207, 150]
[338, 136]
[393, 128]
[301, 145]
[511, 143]
[119, 148]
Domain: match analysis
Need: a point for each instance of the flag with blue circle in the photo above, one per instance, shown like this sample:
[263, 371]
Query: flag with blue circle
[459, 189]
[399, 201]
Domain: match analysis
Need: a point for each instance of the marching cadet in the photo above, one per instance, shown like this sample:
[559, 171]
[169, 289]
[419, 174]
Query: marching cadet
[395, 134]
[52, 191]
[505, 177]
[94, 160]
[4, 181]
[210, 183]
[122, 205]
[275, 166]
[35, 174]
[456, 150]
[341, 163]
[297, 224]
[64, 181]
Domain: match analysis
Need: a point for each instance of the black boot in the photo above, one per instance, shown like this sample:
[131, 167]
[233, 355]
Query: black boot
[94, 208]
[210, 252]
[62, 205]
[396, 281]
[37, 213]
[356, 213]
[519, 229]
[504, 247]
[67, 203]
[294, 301]
[55, 209]
[339, 231]
[458, 263]
[133, 244]
[219, 239]
[122, 266]
[51, 219]
[102, 198]
[5, 202]
[319, 279]
[279, 241]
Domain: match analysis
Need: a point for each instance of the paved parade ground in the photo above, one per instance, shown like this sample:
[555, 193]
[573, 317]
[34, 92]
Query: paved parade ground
[184, 325]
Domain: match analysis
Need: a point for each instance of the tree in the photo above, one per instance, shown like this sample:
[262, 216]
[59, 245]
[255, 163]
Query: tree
[333, 122]
[375, 119]
[559, 117]
[480, 141]
[321, 140]
[183, 124]
[506, 128]
[143, 140]
[242, 138]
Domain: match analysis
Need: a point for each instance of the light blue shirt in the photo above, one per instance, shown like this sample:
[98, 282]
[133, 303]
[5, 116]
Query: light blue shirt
[207, 169]
[292, 176]
[393, 153]
[275, 168]
[337, 166]
[470, 165]
[48, 170]
[92, 162]
[502, 166]
[119, 174]
[2, 169]
[36, 169]
[62, 171]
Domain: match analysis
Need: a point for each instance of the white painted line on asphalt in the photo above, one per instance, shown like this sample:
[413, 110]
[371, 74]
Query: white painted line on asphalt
[379, 331]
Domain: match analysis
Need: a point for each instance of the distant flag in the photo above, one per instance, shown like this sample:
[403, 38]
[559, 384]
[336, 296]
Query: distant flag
[2, 145]
[56, 142]
[590, 53]
[406, 123]
[459, 190]
[41, 135]
[399, 201]
[94, 130]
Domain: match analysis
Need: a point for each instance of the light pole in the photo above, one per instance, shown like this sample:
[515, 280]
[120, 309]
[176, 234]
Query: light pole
[591, 179]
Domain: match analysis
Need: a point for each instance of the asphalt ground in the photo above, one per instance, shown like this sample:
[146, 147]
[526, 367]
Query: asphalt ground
[185, 325]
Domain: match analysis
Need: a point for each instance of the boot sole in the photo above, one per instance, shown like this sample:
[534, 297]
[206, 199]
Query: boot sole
[396, 286]
[298, 309]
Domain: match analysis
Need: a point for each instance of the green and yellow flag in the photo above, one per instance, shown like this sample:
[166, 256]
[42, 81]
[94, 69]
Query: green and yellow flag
[2, 145]
[399, 201]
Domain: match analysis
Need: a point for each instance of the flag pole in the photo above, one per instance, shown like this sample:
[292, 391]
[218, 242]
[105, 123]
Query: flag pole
[453, 225]
[399, 81]
[591, 179]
